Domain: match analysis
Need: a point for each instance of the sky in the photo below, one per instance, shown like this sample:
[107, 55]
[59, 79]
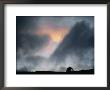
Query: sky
[54, 43]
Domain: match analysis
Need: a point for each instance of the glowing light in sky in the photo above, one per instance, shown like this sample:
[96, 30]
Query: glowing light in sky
[55, 34]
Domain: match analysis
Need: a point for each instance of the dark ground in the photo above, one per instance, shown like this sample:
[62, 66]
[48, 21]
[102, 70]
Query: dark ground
[90, 71]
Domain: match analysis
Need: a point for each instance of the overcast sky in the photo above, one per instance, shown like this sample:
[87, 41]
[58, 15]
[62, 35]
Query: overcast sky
[53, 43]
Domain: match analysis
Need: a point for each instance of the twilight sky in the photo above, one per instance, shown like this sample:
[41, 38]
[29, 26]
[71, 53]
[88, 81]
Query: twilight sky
[53, 43]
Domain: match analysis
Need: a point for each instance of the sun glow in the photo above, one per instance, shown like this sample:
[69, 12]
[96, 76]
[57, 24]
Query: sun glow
[55, 34]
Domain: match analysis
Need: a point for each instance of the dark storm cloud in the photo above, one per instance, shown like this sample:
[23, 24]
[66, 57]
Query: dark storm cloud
[77, 48]
[25, 23]
[24, 37]
[81, 36]
[30, 42]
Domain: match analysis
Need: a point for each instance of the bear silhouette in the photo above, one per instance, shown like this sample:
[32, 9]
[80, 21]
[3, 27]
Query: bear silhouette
[69, 69]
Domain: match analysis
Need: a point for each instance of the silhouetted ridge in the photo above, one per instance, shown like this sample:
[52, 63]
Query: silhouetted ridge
[90, 71]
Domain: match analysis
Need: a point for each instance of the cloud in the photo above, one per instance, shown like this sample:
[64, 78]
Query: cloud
[81, 36]
[28, 63]
[64, 21]
[77, 48]
[29, 42]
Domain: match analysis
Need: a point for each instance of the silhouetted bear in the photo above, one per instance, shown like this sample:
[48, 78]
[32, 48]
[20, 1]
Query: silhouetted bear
[69, 69]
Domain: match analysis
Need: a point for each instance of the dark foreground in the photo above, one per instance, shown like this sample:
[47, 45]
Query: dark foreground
[91, 71]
